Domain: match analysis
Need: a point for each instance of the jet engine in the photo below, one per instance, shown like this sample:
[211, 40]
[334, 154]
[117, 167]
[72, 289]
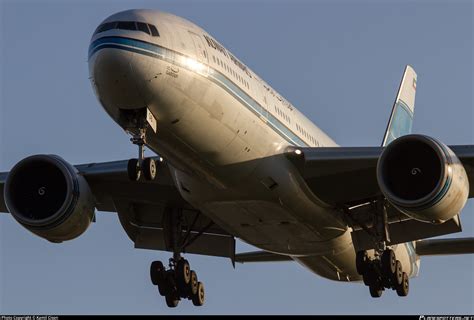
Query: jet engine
[47, 196]
[423, 178]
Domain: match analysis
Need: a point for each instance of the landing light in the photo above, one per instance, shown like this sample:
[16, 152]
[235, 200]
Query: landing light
[298, 151]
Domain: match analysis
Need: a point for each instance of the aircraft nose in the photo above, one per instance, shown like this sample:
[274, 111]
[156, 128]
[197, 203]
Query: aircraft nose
[112, 76]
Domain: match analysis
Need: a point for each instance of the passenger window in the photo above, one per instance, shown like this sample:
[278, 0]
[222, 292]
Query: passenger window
[154, 31]
[143, 27]
[126, 25]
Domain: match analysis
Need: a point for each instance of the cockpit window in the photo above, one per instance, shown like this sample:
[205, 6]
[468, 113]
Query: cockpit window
[143, 27]
[126, 25]
[129, 25]
[106, 26]
[154, 31]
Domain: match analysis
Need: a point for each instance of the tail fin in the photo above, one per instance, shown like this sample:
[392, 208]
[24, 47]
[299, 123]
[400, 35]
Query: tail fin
[401, 119]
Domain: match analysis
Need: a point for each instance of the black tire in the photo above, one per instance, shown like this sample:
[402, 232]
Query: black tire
[366, 278]
[389, 261]
[167, 286]
[172, 300]
[149, 169]
[156, 272]
[183, 275]
[133, 170]
[397, 277]
[404, 287]
[375, 291]
[200, 297]
[193, 284]
[361, 262]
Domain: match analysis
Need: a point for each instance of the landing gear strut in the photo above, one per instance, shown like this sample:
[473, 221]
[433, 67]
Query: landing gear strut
[178, 281]
[383, 271]
[142, 165]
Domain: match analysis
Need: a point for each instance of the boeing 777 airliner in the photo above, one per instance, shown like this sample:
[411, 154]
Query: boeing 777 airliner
[237, 160]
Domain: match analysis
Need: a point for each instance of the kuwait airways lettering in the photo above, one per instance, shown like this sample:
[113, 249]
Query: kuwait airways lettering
[217, 46]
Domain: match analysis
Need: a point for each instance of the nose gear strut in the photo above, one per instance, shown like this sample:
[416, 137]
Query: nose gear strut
[142, 165]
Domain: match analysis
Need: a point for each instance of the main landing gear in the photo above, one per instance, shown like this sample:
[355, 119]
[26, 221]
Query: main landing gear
[383, 271]
[179, 281]
[141, 166]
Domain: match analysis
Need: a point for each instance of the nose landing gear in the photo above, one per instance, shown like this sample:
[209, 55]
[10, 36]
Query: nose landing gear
[142, 165]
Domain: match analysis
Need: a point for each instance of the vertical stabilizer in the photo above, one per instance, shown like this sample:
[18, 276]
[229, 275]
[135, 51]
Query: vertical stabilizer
[401, 119]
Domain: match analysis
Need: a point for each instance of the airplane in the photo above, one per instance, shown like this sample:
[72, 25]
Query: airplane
[235, 159]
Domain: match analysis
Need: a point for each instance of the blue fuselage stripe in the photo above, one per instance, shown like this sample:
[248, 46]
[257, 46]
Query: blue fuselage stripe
[156, 51]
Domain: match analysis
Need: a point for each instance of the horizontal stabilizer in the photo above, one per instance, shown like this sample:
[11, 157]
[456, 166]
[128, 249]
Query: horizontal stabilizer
[260, 256]
[445, 246]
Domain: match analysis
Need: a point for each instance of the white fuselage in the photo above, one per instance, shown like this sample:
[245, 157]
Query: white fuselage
[224, 131]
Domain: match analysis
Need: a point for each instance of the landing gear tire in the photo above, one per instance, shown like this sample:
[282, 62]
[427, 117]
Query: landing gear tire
[366, 278]
[199, 298]
[149, 169]
[397, 277]
[193, 284]
[156, 272]
[403, 288]
[183, 274]
[361, 262]
[389, 261]
[172, 300]
[375, 291]
[133, 170]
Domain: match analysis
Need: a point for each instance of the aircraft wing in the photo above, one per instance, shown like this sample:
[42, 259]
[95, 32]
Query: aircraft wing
[325, 170]
[143, 208]
[346, 178]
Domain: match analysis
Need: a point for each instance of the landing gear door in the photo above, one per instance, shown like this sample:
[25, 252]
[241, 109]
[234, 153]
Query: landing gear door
[201, 52]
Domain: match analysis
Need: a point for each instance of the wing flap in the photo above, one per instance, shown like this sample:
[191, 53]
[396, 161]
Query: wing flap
[206, 244]
[405, 231]
[260, 256]
[445, 246]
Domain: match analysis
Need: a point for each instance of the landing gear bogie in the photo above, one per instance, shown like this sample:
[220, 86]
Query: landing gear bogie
[382, 272]
[178, 282]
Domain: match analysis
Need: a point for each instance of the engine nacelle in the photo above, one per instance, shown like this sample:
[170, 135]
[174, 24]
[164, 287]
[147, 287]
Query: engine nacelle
[423, 178]
[46, 195]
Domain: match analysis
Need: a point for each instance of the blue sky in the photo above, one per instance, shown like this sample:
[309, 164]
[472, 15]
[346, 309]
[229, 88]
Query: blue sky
[339, 62]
